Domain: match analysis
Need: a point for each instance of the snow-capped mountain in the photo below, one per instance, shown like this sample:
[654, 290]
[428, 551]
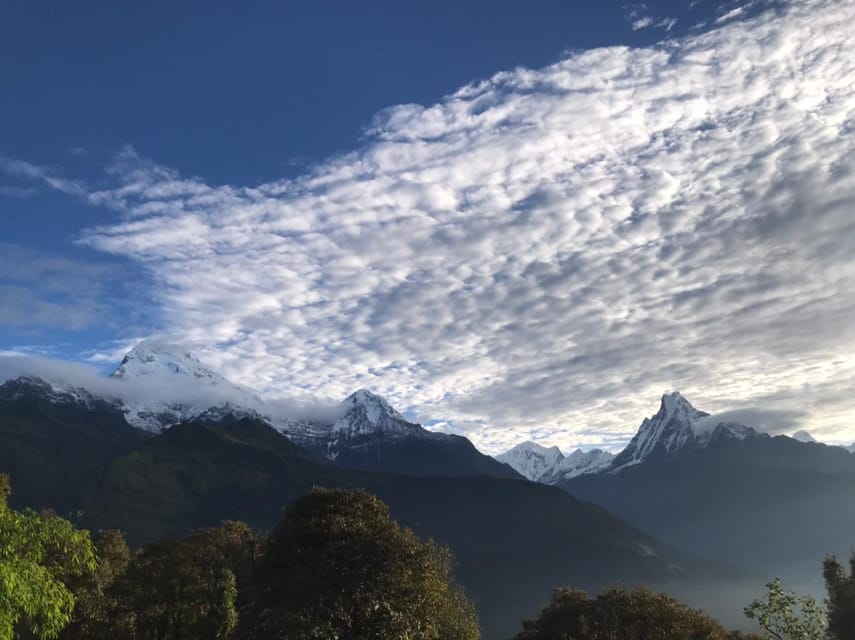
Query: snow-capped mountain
[25, 387]
[532, 460]
[549, 465]
[367, 413]
[580, 463]
[803, 436]
[159, 385]
[167, 385]
[677, 427]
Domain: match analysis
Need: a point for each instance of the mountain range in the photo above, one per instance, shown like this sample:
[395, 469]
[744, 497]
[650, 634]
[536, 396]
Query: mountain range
[170, 445]
[549, 465]
[70, 450]
[727, 492]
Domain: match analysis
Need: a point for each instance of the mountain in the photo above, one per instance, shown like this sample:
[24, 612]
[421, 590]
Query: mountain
[677, 428]
[803, 436]
[371, 435]
[170, 386]
[729, 493]
[54, 443]
[158, 385]
[513, 540]
[549, 465]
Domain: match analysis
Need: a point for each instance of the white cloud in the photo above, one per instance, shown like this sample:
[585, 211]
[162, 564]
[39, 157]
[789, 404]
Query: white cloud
[541, 254]
[158, 390]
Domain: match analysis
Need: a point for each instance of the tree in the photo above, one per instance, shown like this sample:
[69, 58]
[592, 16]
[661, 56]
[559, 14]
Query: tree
[785, 615]
[841, 598]
[185, 588]
[39, 554]
[339, 567]
[619, 614]
[95, 608]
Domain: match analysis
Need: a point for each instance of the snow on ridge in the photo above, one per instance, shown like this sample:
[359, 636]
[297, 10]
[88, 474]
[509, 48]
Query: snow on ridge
[549, 465]
[803, 436]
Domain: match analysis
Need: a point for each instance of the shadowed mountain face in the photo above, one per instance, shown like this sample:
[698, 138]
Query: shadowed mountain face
[775, 505]
[371, 435]
[158, 385]
[514, 540]
[55, 445]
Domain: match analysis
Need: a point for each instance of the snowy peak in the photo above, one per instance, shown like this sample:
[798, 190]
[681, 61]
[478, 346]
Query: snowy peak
[157, 359]
[677, 426]
[24, 387]
[674, 406]
[803, 436]
[581, 462]
[668, 431]
[532, 460]
[172, 386]
[366, 413]
[375, 407]
[549, 465]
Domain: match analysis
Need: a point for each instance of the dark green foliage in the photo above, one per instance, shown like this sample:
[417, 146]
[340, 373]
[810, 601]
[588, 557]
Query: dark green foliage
[39, 554]
[618, 614]
[57, 452]
[185, 588]
[198, 474]
[840, 585]
[339, 567]
[94, 606]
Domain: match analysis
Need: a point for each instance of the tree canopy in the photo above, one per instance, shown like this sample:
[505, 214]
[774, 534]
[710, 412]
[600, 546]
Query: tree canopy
[39, 554]
[185, 588]
[785, 615]
[620, 614]
[339, 567]
[840, 585]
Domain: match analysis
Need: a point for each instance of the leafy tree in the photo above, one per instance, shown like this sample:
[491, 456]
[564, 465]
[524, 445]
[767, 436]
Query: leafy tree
[95, 607]
[185, 588]
[841, 598]
[39, 553]
[619, 614]
[785, 615]
[339, 567]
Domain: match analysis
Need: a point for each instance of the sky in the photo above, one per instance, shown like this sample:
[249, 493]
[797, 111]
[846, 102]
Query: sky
[512, 221]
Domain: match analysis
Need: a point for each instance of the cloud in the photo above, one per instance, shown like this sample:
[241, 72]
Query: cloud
[40, 289]
[30, 171]
[151, 390]
[546, 251]
[773, 422]
[639, 17]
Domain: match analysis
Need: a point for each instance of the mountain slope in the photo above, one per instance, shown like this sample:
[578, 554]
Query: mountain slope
[514, 540]
[55, 445]
[167, 385]
[373, 436]
[729, 493]
[675, 429]
[367, 433]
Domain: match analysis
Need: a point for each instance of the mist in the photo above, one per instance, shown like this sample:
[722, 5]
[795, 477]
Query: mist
[65, 375]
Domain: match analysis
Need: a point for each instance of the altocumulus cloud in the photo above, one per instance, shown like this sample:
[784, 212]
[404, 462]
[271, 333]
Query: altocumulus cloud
[546, 251]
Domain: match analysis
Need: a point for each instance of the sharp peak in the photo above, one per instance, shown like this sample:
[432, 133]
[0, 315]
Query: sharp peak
[159, 346]
[371, 402]
[531, 444]
[363, 395]
[675, 402]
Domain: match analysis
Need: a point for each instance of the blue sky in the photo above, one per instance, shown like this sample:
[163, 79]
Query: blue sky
[518, 221]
